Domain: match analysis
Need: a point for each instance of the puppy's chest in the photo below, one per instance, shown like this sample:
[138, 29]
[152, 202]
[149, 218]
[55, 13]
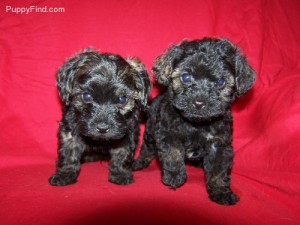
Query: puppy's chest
[184, 132]
[197, 136]
[101, 149]
[196, 140]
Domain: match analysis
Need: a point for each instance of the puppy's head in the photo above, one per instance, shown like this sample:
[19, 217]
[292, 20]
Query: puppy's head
[103, 90]
[204, 76]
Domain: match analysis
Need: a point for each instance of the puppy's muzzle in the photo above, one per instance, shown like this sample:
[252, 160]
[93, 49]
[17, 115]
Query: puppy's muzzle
[199, 105]
[103, 128]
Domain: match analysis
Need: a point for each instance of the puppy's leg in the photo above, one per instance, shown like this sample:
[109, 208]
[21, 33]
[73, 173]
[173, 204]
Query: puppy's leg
[217, 168]
[173, 167]
[120, 166]
[146, 155]
[68, 163]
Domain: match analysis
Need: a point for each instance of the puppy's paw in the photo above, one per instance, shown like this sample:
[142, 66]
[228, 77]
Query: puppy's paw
[62, 179]
[224, 198]
[174, 179]
[121, 179]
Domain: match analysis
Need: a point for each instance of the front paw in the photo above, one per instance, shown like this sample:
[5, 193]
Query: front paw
[121, 179]
[224, 198]
[174, 179]
[62, 179]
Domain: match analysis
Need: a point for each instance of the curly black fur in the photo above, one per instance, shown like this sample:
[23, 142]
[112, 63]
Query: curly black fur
[102, 96]
[192, 119]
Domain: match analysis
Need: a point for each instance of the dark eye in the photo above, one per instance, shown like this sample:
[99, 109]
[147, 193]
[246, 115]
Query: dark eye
[122, 100]
[221, 83]
[186, 78]
[86, 97]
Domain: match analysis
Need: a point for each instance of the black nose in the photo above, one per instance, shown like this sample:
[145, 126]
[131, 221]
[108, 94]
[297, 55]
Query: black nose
[103, 128]
[199, 105]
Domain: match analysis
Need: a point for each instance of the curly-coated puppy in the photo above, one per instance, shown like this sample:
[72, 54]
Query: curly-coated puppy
[102, 96]
[192, 119]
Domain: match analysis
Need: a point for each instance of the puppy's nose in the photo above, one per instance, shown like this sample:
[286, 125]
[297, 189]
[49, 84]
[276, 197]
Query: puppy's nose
[103, 128]
[199, 105]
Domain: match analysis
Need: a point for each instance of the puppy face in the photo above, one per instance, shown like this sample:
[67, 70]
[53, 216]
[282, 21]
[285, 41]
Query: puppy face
[103, 90]
[204, 76]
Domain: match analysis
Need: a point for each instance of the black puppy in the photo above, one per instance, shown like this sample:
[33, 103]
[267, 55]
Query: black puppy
[102, 95]
[192, 119]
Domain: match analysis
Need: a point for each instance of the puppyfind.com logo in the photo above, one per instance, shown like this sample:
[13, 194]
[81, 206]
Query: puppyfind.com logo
[34, 9]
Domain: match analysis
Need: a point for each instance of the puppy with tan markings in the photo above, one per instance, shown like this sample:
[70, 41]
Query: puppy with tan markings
[191, 120]
[102, 96]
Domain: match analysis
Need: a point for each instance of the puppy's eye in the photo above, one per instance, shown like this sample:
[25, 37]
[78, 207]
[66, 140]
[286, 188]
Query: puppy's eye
[86, 97]
[122, 100]
[221, 83]
[186, 78]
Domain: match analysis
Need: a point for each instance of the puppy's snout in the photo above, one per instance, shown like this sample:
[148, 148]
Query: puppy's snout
[199, 105]
[103, 128]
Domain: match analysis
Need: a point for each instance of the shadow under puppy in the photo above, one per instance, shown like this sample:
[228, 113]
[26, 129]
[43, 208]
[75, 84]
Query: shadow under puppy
[192, 119]
[102, 96]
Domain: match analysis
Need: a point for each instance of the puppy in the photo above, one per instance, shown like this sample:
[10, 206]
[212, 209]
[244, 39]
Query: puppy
[102, 96]
[192, 119]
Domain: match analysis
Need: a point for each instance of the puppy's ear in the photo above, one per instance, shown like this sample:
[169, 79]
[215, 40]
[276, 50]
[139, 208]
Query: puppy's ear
[244, 74]
[142, 81]
[165, 63]
[68, 72]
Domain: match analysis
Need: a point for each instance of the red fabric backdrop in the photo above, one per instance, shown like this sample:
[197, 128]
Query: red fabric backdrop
[266, 120]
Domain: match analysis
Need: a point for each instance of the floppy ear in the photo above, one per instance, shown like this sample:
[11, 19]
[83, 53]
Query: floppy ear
[67, 73]
[142, 81]
[165, 63]
[244, 74]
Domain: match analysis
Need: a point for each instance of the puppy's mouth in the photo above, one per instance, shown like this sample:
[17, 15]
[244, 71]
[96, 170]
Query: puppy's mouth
[196, 115]
[107, 137]
[199, 118]
[103, 136]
